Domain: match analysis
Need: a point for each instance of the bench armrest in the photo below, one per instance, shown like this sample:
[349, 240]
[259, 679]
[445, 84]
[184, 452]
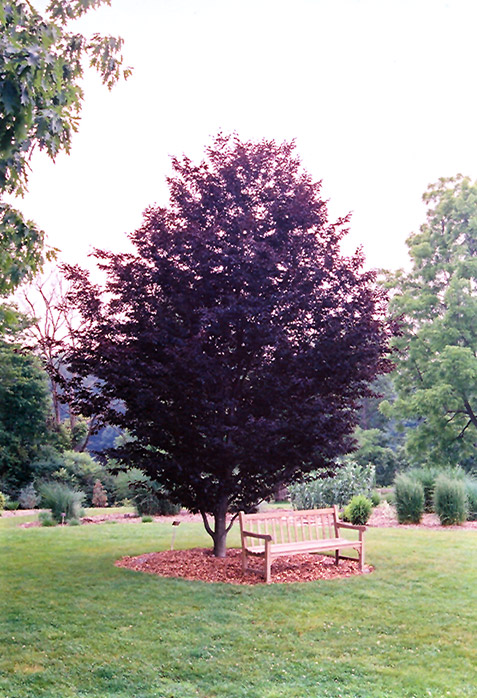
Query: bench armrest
[354, 527]
[262, 536]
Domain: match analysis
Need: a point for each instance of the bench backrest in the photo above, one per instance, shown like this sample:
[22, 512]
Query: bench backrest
[291, 526]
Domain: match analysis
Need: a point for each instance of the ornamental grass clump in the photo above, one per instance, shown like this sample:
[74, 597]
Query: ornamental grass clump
[450, 500]
[471, 492]
[65, 503]
[409, 494]
[427, 477]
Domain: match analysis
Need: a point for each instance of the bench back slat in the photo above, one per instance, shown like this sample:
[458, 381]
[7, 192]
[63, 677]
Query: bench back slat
[291, 526]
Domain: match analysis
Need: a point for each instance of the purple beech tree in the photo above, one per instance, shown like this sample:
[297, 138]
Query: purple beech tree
[235, 344]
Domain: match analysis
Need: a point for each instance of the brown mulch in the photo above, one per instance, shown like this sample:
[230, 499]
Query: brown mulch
[200, 564]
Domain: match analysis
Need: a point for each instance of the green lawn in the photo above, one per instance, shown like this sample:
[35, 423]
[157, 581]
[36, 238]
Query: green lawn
[72, 624]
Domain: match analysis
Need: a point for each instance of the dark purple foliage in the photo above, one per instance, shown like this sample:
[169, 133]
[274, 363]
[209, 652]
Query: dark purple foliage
[235, 346]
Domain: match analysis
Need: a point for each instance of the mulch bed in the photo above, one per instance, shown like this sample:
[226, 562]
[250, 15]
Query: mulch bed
[200, 564]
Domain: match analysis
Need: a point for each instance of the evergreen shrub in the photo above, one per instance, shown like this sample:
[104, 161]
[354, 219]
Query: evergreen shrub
[2, 501]
[99, 498]
[151, 500]
[409, 498]
[450, 500]
[358, 510]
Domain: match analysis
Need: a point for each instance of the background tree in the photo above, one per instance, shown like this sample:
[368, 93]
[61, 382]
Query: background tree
[51, 325]
[24, 411]
[41, 66]
[235, 345]
[380, 439]
[436, 376]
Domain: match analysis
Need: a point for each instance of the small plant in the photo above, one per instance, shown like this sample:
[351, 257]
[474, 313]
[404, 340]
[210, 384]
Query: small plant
[65, 503]
[147, 519]
[28, 498]
[125, 503]
[100, 498]
[450, 500]
[2, 501]
[375, 498]
[11, 504]
[409, 495]
[45, 518]
[74, 522]
[358, 510]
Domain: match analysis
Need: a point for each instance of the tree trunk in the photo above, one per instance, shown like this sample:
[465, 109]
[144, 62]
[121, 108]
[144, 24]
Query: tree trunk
[220, 530]
[220, 533]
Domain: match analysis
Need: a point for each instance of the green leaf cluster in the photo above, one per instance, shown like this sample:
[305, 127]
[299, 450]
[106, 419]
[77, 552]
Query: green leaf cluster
[24, 411]
[41, 66]
[436, 377]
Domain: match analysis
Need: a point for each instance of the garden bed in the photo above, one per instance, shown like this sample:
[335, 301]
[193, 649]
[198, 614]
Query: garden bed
[200, 564]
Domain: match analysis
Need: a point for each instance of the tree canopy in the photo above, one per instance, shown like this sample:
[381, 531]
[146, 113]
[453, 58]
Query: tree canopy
[41, 66]
[24, 413]
[235, 345]
[436, 375]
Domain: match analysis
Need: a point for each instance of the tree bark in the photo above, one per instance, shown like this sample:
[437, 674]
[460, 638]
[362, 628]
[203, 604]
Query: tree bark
[220, 526]
[220, 530]
[220, 533]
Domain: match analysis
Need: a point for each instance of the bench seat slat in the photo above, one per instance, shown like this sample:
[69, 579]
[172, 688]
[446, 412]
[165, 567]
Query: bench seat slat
[305, 546]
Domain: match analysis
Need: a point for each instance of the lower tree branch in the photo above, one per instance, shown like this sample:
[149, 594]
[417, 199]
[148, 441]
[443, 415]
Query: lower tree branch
[231, 522]
[470, 412]
[206, 523]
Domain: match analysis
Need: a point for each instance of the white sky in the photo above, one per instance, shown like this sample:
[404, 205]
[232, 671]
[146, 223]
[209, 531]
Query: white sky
[380, 96]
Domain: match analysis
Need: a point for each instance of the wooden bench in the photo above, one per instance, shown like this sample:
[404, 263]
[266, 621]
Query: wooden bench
[274, 534]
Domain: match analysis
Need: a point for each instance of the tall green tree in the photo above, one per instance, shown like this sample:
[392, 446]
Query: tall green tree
[436, 376]
[25, 406]
[41, 66]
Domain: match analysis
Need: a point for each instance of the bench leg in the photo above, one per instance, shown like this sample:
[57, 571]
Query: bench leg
[337, 557]
[361, 557]
[244, 560]
[268, 563]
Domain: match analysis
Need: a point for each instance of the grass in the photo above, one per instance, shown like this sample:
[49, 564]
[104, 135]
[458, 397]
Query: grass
[73, 625]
